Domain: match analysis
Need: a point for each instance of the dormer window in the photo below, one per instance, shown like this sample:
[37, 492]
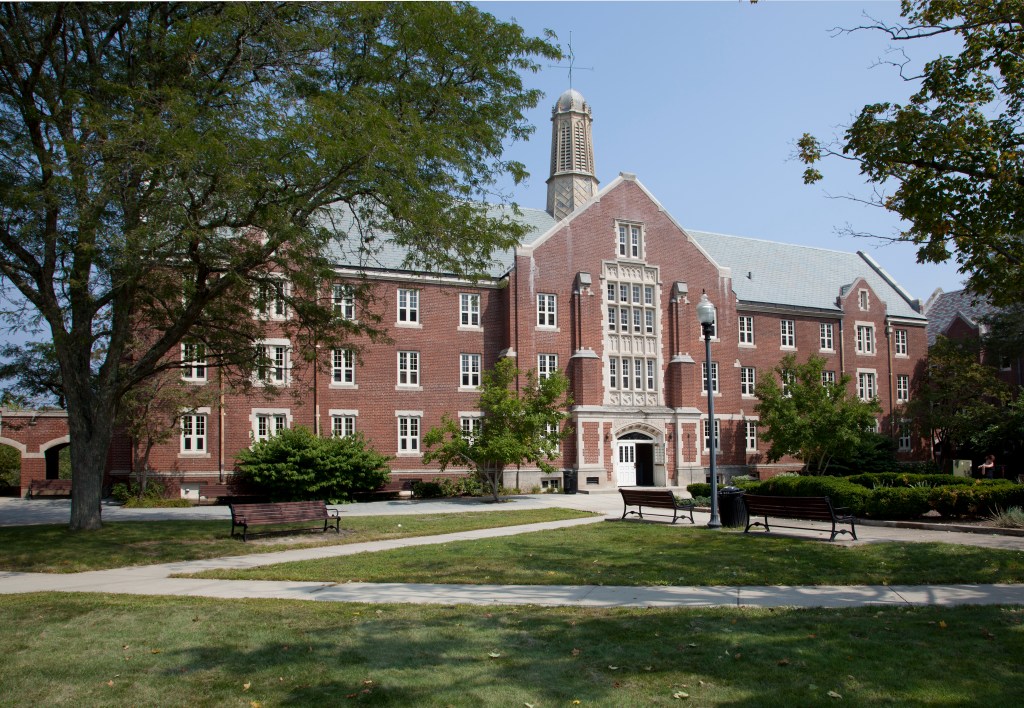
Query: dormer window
[862, 300]
[631, 241]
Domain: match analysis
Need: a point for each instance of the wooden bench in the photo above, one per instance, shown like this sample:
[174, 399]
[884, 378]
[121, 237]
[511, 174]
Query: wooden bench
[806, 508]
[656, 499]
[246, 515]
[49, 488]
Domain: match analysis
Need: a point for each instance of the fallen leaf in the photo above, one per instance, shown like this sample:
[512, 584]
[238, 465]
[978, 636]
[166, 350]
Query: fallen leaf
[246, 685]
[648, 668]
[494, 654]
[576, 702]
[616, 684]
[575, 652]
[680, 694]
[254, 704]
[692, 646]
[154, 651]
[833, 694]
[367, 682]
[737, 655]
[783, 662]
[110, 683]
[613, 668]
[987, 634]
[942, 624]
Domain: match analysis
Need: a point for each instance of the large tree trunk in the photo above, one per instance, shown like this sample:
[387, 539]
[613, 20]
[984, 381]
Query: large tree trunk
[91, 424]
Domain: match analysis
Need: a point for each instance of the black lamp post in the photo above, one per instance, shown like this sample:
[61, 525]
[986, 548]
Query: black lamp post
[706, 317]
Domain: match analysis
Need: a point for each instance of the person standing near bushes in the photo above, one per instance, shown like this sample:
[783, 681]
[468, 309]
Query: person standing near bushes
[988, 467]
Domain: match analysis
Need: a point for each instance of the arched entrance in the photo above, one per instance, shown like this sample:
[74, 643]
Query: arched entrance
[634, 461]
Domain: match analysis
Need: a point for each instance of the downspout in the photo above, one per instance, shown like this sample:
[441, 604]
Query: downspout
[220, 436]
[888, 353]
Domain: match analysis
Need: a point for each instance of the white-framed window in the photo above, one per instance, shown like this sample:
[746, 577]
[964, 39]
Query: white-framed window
[547, 364]
[193, 432]
[866, 386]
[650, 375]
[613, 372]
[470, 425]
[469, 310]
[632, 374]
[342, 425]
[788, 377]
[648, 321]
[750, 433]
[546, 310]
[900, 342]
[714, 376]
[718, 434]
[863, 300]
[902, 388]
[905, 443]
[826, 336]
[828, 377]
[648, 296]
[272, 299]
[408, 368]
[551, 433]
[787, 331]
[865, 339]
[408, 306]
[637, 320]
[469, 369]
[746, 329]
[343, 298]
[747, 380]
[273, 367]
[193, 360]
[408, 433]
[613, 318]
[343, 366]
[631, 241]
[268, 423]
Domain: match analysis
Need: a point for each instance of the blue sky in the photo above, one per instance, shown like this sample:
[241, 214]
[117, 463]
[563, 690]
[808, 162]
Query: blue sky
[704, 101]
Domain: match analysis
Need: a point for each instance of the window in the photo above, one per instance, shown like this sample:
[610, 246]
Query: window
[902, 388]
[826, 336]
[271, 299]
[408, 434]
[750, 430]
[788, 332]
[788, 377]
[551, 433]
[343, 425]
[862, 300]
[630, 241]
[865, 339]
[613, 372]
[344, 300]
[469, 365]
[828, 377]
[613, 318]
[747, 380]
[267, 425]
[408, 306]
[900, 337]
[650, 374]
[547, 364]
[470, 426]
[193, 432]
[469, 310]
[193, 359]
[408, 368]
[637, 374]
[714, 376]
[746, 329]
[648, 321]
[546, 311]
[343, 366]
[648, 296]
[905, 443]
[273, 364]
[718, 435]
[866, 390]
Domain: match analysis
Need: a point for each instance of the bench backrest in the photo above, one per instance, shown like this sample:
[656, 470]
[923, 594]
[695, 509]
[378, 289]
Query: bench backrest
[279, 512]
[813, 508]
[50, 484]
[648, 497]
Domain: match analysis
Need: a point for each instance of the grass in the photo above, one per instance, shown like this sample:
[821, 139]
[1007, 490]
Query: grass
[55, 549]
[653, 554]
[198, 652]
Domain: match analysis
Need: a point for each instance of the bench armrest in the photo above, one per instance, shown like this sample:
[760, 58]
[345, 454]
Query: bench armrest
[334, 513]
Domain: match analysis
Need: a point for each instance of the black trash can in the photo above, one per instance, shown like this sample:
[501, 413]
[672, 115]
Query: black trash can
[731, 509]
[570, 481]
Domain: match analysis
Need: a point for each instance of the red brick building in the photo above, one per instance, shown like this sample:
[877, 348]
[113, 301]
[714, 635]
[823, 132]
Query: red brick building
[603, 287]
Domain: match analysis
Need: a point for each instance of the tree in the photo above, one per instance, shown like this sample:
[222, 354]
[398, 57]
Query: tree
[813, 420]
[954, 153]
[296, 465]
[34, 372]
[160, 162]
[519, 426]
[956, 396]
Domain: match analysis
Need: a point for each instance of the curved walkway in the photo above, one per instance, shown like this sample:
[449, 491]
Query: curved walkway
[157, 580]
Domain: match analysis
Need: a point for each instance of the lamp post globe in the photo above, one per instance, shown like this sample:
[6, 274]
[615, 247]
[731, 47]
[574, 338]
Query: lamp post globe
[706, 316]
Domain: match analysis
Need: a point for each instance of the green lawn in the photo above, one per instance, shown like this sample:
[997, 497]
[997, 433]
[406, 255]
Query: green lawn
[658, 554]
[55, 549]
[122, 650]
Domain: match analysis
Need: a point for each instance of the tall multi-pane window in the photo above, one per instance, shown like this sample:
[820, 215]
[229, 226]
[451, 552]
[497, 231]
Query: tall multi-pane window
[343, 366]
[547, 364]
[746, 329]
[343, 425]
[408, 433]
[267, 425]
[632, 373]
[866, 389]
[193, 432]
[787, 330]
[826, 336]
[469, 310]
[788, 378]
[551, 433]
[862, 300]
[469, 366]
[828, 377]
[408, 368]
[546, 310]
[865, 339]
[273, 364]
[271, 299]
[613, 372]
[650, 374]
[747, 380]
[193, 360]
[900, 337]
[470, 426]
[905, 441]
[408, 305]
[714, 376]
[631, 241]
[632, 332]
[750, 430]
[902, 388]
[343, 299]
[718, 435]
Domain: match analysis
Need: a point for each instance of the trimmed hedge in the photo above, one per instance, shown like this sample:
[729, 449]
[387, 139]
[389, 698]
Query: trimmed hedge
[907, 479]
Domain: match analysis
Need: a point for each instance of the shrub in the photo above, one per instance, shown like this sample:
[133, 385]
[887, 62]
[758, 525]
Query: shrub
[898, 502]
[874, 453]
[699, 489]
[423, 489]
[1012, 518]
[154, 496]
[907, 479]
[10, 466]
[842, 492]
[980, 498]
[296, 465]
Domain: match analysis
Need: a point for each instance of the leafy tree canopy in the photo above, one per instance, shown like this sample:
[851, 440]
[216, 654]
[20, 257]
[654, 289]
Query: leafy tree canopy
[815, 421]
[160, 161]
[953, 154]
[33, 373]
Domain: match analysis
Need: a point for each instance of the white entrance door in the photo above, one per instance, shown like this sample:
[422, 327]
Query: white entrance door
[625, 468]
